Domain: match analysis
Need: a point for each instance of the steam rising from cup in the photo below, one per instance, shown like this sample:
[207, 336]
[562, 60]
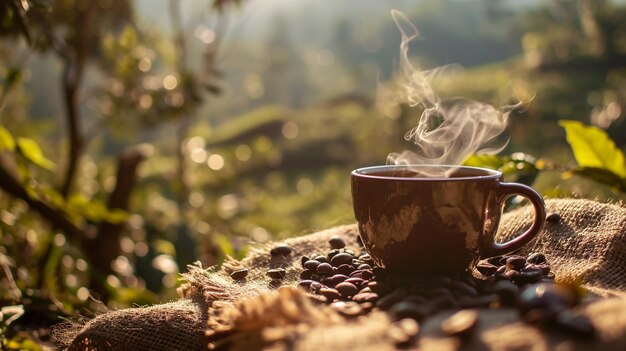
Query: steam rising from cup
[449, 130]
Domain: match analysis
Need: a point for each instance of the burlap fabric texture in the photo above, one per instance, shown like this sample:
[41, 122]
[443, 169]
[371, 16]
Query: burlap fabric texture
[587, 247]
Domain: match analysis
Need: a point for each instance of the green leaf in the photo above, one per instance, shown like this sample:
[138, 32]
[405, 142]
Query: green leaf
[593, 148]
[225, 245]
[6, 140]
[32, 152]
[603, 176]
[91, 209]
[21, 341]
[165, 247]
[116, 216]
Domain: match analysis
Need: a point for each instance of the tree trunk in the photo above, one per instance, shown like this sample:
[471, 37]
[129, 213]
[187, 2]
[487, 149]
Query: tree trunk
[105, 246]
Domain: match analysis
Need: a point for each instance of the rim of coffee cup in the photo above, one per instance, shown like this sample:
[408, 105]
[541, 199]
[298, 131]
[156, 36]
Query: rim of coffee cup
[366, 172]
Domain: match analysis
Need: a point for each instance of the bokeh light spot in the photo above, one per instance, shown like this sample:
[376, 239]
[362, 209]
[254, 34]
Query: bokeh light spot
[198, 155]
[259, 234]
[170, 82]
[165, 263]
[59, 239]
[290, 130]
[215, 162]
[82, 293]
[243, 153]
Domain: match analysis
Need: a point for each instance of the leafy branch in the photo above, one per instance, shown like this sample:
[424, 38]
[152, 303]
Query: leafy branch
[597, 158]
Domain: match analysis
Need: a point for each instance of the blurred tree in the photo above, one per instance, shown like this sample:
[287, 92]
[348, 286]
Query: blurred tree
[96, 37]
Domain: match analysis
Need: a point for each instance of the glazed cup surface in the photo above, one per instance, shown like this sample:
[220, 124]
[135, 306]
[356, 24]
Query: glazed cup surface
[410, 221]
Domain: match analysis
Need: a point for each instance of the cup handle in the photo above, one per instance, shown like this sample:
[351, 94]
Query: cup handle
[504, 191]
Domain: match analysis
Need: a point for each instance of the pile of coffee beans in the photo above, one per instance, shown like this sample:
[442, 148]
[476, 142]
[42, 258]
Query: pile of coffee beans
[353, 285]
[518, 269]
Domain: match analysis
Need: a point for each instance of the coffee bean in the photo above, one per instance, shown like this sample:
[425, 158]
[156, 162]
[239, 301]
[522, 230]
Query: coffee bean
[281, 250]
[536, 258]
[365, 289]
[478, 301]
[363, 297]
[239, 274]
[311, 264]
[515, 263]
[511, 274]
[364, 266]
[275, 283]
[367, 306]
[442, 302]
[485, 286]
[321, 259]
[403, 332]
[324, 269]
[337, 243]
[315, 287]
[553, 218]
[545, 269]
[356, 281]
[417, 299]
[528, 277]
[548, 297]
[349, 309]
[345, 269]
[341, 258]
[461, 324]
[507, 292]
[346, 290]
[306, 283]
[463, 288]
[407, 309]
[303, 260]
[530, 267]
[306, 274]
[277, 273]
[380, 288]
[332, 254]
[391, 299]
[442, 281]
[337, 278]
[329, 293]
[357, 274]
[577, 325]
[435, 291]
[367, 274]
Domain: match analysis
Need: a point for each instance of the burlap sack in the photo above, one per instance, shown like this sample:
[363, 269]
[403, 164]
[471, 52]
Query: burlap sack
[173, 326]
[587, 246]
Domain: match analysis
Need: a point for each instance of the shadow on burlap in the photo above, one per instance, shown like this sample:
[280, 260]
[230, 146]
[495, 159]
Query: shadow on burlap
[587, 247]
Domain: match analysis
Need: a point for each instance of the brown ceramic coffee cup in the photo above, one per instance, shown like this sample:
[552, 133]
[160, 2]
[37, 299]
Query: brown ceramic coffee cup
[409, 221]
